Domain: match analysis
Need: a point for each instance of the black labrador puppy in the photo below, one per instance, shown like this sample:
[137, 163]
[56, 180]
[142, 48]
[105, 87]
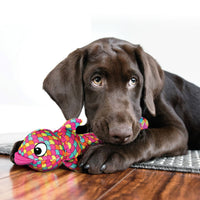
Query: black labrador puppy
[118, 82]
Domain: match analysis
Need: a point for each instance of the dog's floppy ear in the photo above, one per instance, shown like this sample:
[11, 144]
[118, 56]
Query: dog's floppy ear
[64, 84]
[153, 78]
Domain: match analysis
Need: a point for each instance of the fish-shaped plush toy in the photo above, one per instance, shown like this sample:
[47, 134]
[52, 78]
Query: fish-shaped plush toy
[44, 150]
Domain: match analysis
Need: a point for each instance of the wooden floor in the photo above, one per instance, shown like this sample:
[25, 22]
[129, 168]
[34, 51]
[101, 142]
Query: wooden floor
[23, 183]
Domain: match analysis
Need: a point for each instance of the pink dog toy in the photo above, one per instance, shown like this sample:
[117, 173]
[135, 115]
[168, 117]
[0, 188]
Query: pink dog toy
[44, 150]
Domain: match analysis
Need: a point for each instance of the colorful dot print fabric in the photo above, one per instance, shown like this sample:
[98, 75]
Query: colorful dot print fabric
[44, 150]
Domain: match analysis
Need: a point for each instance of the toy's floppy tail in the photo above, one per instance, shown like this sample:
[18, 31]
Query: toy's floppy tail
[88, 139]
[144, 124]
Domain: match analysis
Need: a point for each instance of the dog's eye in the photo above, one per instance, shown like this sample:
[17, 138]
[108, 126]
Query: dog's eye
[132, 82]
[97, 81]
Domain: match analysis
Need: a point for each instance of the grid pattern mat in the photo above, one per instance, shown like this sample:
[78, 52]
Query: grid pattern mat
[186, 163]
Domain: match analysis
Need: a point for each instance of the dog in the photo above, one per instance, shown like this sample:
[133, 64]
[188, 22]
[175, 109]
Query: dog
[117, 83]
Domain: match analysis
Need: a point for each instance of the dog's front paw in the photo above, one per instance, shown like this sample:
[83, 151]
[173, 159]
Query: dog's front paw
[104, 158]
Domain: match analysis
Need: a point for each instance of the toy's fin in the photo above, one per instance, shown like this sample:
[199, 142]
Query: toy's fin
[72, 124]
[69, 127]
[72, 164]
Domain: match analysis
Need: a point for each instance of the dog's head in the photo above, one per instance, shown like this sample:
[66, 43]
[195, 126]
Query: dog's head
[114, 80]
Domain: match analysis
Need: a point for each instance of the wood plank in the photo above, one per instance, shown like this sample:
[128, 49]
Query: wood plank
[19, 182]
[24, 183]
[152, 184]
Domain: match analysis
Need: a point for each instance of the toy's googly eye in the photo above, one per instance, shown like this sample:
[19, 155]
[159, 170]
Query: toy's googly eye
[40, 149]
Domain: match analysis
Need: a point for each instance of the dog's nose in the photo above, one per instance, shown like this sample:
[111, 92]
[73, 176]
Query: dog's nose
[121, 134]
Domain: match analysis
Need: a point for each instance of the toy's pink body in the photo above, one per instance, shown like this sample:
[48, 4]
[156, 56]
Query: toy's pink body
[44, 150]
[62, 146]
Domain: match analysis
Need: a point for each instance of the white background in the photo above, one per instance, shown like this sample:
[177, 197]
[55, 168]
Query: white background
[36, 35]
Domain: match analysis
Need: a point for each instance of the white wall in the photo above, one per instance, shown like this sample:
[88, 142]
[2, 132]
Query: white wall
[36, 35]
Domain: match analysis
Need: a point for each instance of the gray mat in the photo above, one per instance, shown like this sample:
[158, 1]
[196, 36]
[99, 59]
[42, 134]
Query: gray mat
[5, 148]
[188, 163]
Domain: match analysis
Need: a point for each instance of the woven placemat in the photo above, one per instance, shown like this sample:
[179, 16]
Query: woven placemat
[187, 163]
